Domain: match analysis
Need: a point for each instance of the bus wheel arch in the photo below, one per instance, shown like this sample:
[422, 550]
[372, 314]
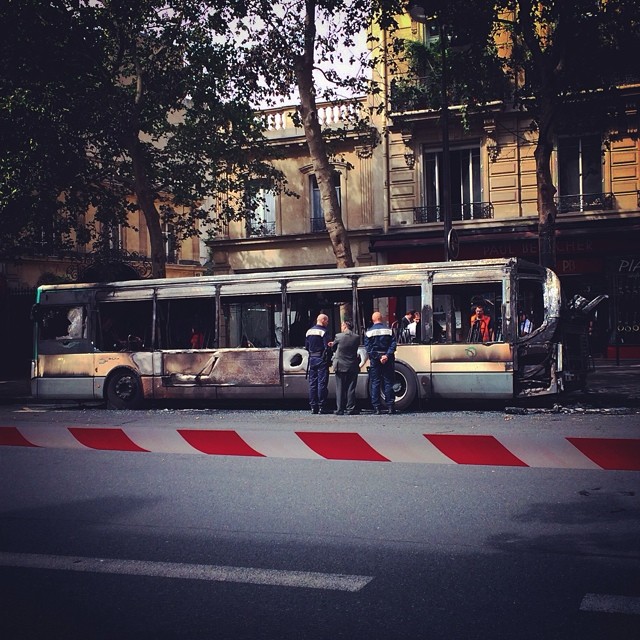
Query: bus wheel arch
[405, 386]
[123, 389]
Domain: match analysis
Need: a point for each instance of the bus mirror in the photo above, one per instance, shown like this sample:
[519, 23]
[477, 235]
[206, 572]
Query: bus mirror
[588, 308]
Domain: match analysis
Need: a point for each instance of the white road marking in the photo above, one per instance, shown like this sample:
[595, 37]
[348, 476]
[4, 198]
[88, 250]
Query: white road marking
[212, 573]
[611, 604]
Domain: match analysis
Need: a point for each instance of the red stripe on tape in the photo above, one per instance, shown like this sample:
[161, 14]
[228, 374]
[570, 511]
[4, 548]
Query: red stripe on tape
[11, 437]
[219, 443]
[340, 446]
[104, 439]
[475, 450]
[619, 454]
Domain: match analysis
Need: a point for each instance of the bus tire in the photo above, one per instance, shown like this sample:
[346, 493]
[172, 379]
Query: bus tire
[405, 387]
[124, 390]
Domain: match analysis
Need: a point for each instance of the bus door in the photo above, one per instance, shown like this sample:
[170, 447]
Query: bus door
[306, 300]
[185, 338]
[248, 362]
[393, 297]
[470, 355]
[64, 353]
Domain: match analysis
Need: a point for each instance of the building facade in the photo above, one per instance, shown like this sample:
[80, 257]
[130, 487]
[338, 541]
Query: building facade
[390, 193]
[391, 199]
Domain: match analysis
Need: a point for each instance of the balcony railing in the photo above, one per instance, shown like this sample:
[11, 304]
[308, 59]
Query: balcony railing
[466, 211]
[258, 229]
[586, 202]
[411, 93]
[337, 114]
[318, 225]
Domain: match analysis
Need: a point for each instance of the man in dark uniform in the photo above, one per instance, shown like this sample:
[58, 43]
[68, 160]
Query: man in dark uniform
[316, 342]
[346, 364]
[380, 344]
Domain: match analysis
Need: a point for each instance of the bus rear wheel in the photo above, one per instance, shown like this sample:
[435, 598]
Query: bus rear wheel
[405, 387]
[124, 390]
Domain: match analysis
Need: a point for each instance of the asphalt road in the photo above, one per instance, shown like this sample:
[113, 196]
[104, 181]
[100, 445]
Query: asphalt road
[126, 544]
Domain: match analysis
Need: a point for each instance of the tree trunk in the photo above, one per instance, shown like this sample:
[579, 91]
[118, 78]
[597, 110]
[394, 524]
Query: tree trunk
[546, 190]
[317, 147]
[146, 202]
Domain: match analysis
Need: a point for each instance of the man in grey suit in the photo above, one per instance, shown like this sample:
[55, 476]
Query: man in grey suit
[346, 365]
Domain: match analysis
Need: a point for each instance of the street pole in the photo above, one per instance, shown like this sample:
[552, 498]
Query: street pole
[445, 202]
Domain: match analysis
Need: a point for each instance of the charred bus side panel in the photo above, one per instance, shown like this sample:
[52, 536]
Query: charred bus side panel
[242, 336]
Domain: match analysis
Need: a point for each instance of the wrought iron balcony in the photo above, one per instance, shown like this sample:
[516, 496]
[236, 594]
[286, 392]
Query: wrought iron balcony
[106, 264]
[585, 202]
[260, 228]
[466, 211]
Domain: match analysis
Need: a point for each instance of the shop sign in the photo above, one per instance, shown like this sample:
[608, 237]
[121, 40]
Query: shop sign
[629, 265]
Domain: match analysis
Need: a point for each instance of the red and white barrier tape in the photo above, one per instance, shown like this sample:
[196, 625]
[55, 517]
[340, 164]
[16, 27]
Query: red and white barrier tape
[513, 450]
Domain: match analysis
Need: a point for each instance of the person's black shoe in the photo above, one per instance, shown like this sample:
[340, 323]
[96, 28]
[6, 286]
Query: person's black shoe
[391, 411]
[325, 411]
[377, 412]
[339, 412]
[314, 409]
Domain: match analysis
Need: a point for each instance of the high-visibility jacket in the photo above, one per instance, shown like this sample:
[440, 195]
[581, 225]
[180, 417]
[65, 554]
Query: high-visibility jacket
[483, 330]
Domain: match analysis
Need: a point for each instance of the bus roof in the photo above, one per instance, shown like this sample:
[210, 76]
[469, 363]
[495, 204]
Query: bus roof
[494, 267]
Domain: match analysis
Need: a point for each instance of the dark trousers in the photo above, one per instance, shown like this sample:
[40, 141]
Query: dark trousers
[346, 382]
[382, 375]
[318, 382]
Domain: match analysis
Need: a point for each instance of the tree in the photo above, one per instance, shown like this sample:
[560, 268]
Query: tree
[290, 50]
[112, 99]
[566, 62]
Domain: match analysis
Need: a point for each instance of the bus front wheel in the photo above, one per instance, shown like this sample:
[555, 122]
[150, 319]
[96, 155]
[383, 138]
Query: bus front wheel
[124, 390]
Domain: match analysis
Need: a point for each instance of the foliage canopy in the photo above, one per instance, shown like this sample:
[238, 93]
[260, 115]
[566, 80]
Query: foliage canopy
[119, 106]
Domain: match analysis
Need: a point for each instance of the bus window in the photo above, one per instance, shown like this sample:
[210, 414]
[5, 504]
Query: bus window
[454, 313]
[304, 308]
[124, 326]
[251, 321]
[186, 323]
[63, 323]
[63, 329]
[391, 302]
[530, 306]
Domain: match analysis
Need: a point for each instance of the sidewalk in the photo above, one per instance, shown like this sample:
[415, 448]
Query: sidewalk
[610, 385]
[14, 391]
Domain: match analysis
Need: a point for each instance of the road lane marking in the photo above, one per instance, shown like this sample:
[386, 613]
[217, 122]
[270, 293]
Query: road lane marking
[211, 573]
[610, 604]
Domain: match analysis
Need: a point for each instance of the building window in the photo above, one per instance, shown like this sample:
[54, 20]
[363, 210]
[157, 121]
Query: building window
[431, 33]
[170, 243]
[317, 215]
[261, 220]
[466, 185]
[580, 174]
